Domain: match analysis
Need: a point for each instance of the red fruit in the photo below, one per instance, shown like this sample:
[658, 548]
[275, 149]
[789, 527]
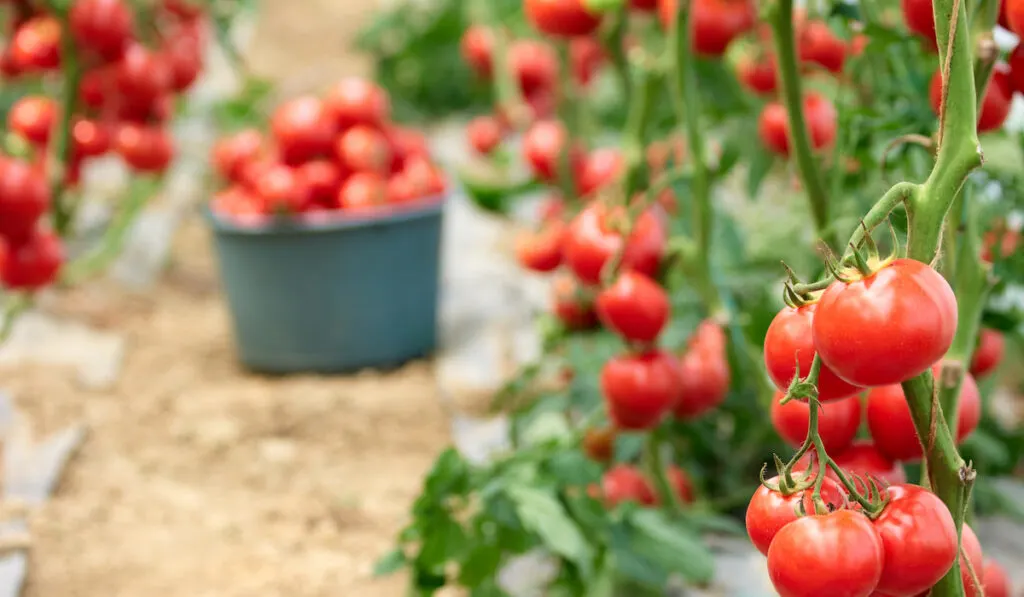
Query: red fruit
[551, 208]
[919, 540]
[623, 483]
[144, 148]
[640, 389]
[424, 179]
[644, 5]
[185, 10]
[89, 138]
[405, 144]
[102, 26]
[573, 308]
[789, 344]
[760, 76]
[599, 169]
[484, 133]
[1005, 239]
[838, 421]
[231, 154]
[478, 48]
[534, 64]
[681, 484]
[541, 251]
[893, 430]
[862, 458]
[919, 18]
[355, 101]
[323, 179]
[635, 307]
[32, 117]
[995, 107]
[362, 191]
[542, 147]
[363, 149]
[888, 327]
[715, 22]
[971, 547]
[35, 45]
[33, 263]
[304, 129]
[705, 371]
[818, 44]
[1016, 62]
[769, 511]
[989, 353]
[802, 558]
[238, 203]
[282, 189]
[185, 59]
[561, 18]
[142, 75]
[586, 56]
[24, 198]
[819, 114]
[592, 241]
[97, 86]
[996, 583]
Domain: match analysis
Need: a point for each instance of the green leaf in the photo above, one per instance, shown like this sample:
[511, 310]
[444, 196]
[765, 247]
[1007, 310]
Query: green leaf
[547, 427]
[672, 545]
[602, 6]
[390, 563]
[444, 540]
[710, 522]
[481, 563]
[758, 167]
[542, 513]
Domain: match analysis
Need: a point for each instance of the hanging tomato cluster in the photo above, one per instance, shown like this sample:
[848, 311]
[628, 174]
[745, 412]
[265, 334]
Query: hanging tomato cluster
[125, 95]
[339, 152]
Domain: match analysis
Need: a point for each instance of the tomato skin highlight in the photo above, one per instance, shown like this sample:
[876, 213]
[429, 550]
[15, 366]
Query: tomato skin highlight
[788, 343]
[303, 128]
[803, 559]
[888, 327]
[635, 306]
[769, 511]
[561, 18]
[640, 389]
[919, 540]
[838, 421]
[33, 117]
[988, 355]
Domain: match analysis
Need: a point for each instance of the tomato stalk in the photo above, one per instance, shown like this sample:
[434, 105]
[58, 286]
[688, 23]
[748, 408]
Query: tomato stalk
[792, 95]
[568, 112]
[71, 71]
[612, 40]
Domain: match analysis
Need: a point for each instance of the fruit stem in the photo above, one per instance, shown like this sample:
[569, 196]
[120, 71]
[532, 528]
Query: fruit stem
[71, 70]
[634, 140]
[505, 86]
[657, 472]
[686, 97]
[789, 77]
[612, 41]
[567, 112]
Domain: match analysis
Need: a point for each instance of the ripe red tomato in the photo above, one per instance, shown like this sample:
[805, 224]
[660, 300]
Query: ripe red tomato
[919, 540]
[989, 353]
[572, 307]
[599, 169]
[103, 26]
[789, 344]
[282, 189]
[542, 148]
[541, 251]
[599, 443]
[424, 178]
[1015, 15]
[971, 547]
[9, 66]
[624, 483]
[644, 5]
[534, 64]
[478, 49]
[920, 19]
[681, 484]
[705, 371]
[485, 134]
[893, 430]
[821, 120]
[143, 75]
[239, 204]
[364, 149]
[561, 18]
[32, 117]
[594, 238]
[855, 324]
[802, 558]
[33, 263]
[362, 191]
[586, 56]
[24, 198]
[1003, 238]
[304, 129]
[819, 45]
[323, 179]
[995, 107]
[769, 511]
[35, 45]
[996, 583]
[89, 138]
[838, 421]
[97, 86]
[144, 148]
[405, 144]
[231, 154]
[184, 56]
[1016, 62]
[635, 306]
[715, 22]
[640, 389]
[758, 75]
[863, 458]
[354, 101]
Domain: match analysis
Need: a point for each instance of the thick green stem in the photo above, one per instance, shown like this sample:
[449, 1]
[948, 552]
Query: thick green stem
[656, 472]
[686, 96]
[567, 114]
[634, 139]
[613, 43]
[789, 77]
[63, 209]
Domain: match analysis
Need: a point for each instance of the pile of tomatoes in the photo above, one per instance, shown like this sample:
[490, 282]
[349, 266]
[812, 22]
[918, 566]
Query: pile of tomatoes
[871, 331]
[125, 96]
[325, 154]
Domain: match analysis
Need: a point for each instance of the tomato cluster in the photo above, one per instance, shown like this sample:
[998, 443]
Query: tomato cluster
[339, 152]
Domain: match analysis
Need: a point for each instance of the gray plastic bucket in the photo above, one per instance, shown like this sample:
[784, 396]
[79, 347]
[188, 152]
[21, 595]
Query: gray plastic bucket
[338, 294]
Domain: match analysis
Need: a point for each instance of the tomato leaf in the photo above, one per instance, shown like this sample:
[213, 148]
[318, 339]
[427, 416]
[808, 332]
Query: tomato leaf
[481, 563]
[542, 513]
[390, 563]
[710, 522]
[671, 545]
